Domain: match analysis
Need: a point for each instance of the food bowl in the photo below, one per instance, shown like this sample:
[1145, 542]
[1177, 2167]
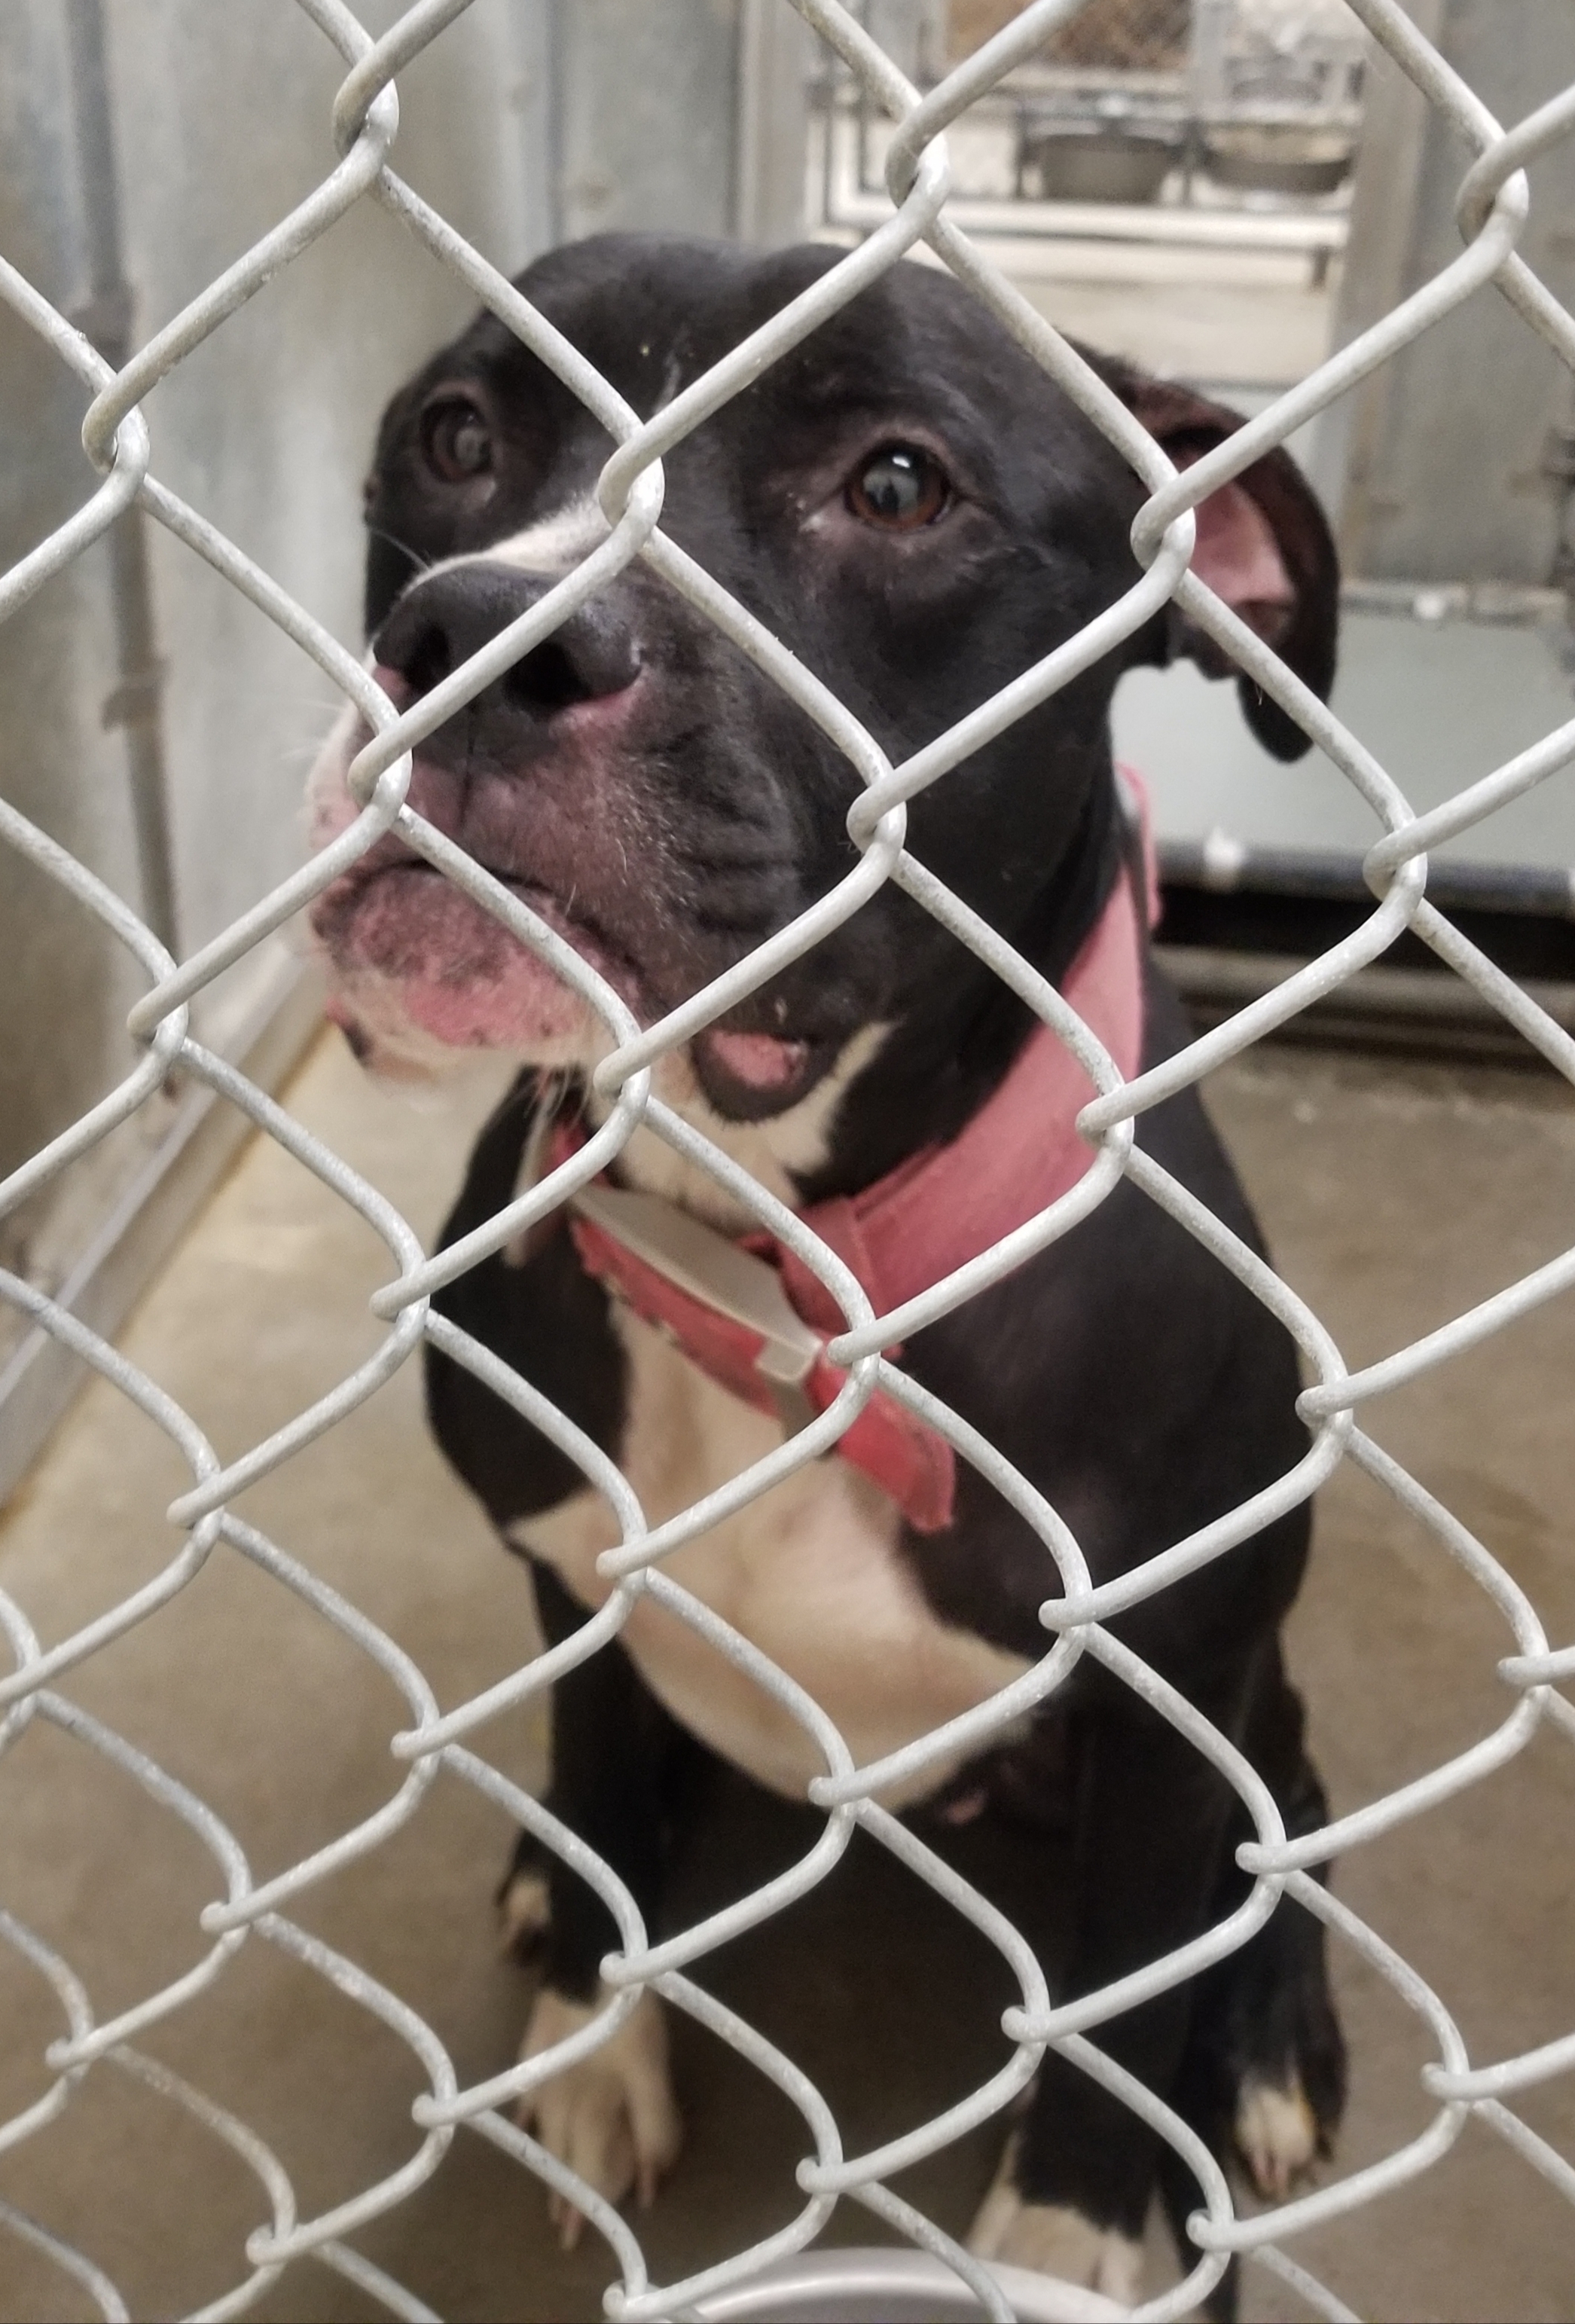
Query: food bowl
[1271, 158]
[879, 2286]
[1098, 161]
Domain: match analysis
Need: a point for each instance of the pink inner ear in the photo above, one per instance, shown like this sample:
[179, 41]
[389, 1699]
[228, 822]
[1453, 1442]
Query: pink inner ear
[1238, 557]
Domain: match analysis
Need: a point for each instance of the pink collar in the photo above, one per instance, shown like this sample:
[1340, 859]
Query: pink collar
[755, 1319]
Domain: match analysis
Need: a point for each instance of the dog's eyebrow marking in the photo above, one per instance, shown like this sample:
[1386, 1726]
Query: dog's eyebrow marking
[553, 545]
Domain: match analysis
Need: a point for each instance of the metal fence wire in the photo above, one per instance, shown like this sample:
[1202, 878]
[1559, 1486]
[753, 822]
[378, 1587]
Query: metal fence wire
[1144, 36]
[1492, 208]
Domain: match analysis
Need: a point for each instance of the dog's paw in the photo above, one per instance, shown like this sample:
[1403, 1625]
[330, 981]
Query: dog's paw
[1054, 2239]
[1277, 2135]
[612, 2117]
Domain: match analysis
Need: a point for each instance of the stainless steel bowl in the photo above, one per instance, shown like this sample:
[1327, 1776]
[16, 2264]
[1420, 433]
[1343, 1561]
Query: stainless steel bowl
[1098, 161]
[1261, 157]
[871, 2286]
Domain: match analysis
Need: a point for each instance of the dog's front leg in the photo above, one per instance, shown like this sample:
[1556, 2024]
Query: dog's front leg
[616, 1760]
[611, 2117]
[1073, 2193]
[536, 1309]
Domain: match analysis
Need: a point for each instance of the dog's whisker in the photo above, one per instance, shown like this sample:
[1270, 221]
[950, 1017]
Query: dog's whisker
[381, 532]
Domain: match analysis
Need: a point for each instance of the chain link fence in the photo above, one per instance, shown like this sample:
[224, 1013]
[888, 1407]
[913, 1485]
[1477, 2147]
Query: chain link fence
[1133, 33]
[1493, 204]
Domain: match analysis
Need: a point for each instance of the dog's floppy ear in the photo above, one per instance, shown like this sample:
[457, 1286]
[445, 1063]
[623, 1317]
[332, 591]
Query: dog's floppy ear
[1263, 545]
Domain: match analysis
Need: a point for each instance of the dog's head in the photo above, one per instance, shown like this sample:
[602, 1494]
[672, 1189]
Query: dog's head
[914, 509]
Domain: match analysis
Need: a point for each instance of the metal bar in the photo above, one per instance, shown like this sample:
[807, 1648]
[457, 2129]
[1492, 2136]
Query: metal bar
[1223, 867]
[106, 319]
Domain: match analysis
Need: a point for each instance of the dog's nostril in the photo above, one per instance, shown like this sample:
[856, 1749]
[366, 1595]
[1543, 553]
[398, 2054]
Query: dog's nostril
[427, 659]
[418, 644]
[546, 680]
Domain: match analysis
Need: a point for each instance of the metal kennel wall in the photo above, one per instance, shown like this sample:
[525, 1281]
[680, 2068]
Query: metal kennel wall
[117, 194]
[161, 955]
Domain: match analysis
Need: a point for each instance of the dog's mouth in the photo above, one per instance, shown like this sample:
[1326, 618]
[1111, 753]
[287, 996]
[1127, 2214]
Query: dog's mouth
[465, 980]
[395, 922]
[408, 948]
[747, 1076]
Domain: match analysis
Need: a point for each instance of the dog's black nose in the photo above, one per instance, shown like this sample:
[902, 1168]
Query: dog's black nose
[444, 618]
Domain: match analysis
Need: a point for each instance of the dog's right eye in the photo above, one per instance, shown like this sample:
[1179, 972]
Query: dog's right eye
[456, 441]
[901, 488]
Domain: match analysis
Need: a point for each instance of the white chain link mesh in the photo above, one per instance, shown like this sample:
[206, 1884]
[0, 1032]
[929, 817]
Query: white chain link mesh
[1493, 203]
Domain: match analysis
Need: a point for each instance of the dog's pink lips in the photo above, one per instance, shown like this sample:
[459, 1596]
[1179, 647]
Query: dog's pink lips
[460, 975]
[465, 980]
[587, 940]
[761, 1063]
[747, 1077]
[469, 1009]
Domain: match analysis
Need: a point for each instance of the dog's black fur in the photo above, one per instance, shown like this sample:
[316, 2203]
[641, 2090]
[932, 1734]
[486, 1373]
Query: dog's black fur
[1125, 1371]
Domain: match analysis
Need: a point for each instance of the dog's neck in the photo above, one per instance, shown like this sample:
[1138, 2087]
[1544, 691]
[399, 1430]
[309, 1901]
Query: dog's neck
[895, 1087]
[938, 1066]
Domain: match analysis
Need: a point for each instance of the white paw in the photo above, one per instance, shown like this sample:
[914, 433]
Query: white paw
[1277, 2135]
[1052, 2239]
[611, 2117]
[525, 1910]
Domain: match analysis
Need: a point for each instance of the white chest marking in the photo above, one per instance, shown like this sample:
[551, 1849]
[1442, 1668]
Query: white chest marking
[809, 1574]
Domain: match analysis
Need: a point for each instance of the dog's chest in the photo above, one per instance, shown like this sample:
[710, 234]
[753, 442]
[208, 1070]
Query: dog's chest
[810, 1573]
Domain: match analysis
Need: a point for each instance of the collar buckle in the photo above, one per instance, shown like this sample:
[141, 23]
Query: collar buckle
[712, 1268]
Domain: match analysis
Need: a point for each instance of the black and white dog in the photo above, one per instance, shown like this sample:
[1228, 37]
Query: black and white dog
[912, 507]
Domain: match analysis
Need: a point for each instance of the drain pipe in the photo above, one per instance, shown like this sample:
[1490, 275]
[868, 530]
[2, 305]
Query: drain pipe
[105, 318]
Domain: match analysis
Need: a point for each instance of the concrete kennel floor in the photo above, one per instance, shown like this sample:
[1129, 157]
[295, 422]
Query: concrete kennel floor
[1394, 1196]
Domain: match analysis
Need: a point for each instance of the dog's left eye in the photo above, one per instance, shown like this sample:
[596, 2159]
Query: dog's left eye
[902, 487]
[456, 441]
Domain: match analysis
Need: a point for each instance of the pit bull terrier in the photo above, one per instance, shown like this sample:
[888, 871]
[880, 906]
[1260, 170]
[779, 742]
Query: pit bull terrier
[912, 506]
